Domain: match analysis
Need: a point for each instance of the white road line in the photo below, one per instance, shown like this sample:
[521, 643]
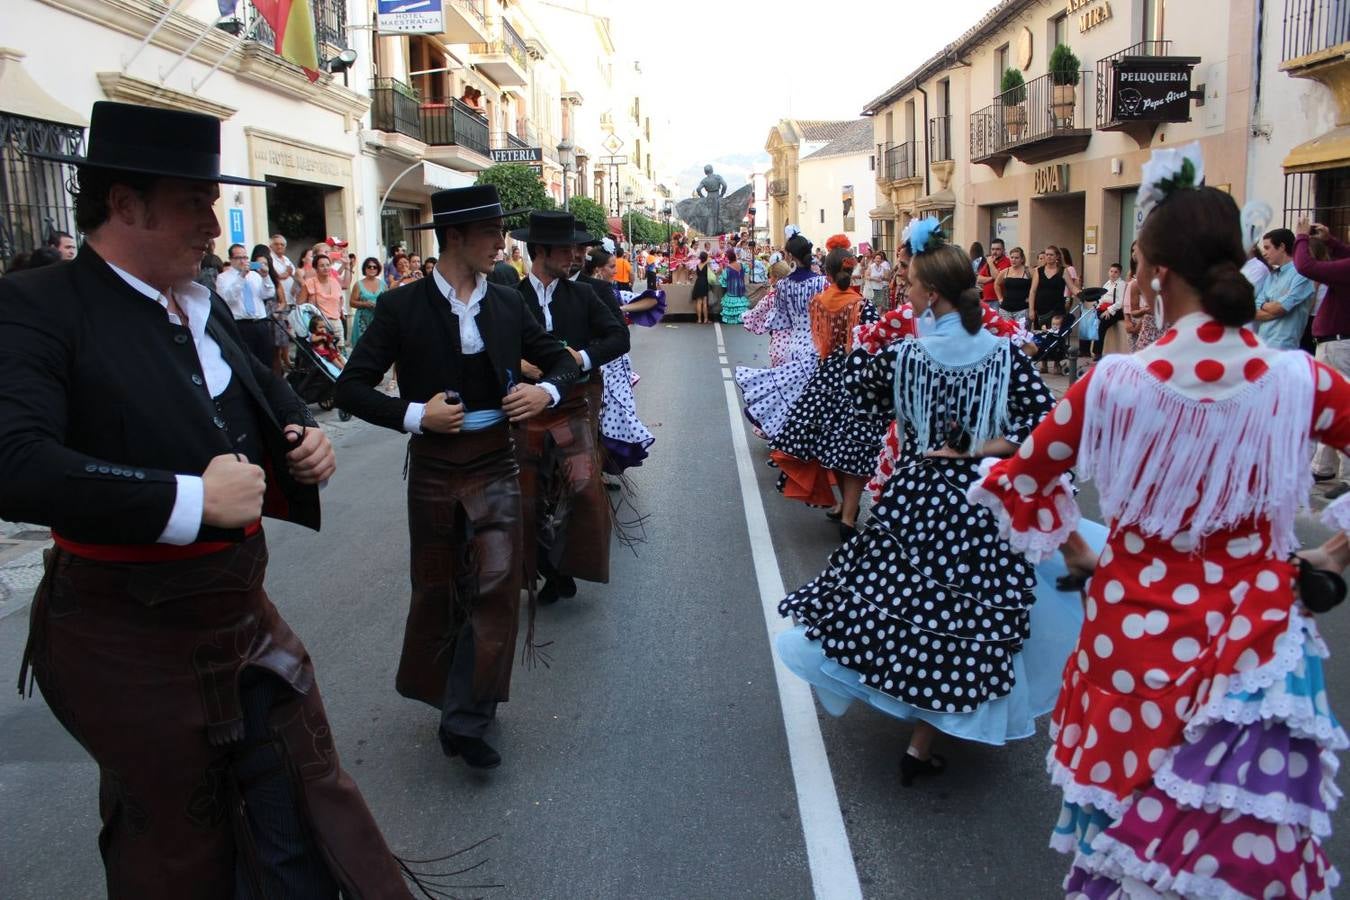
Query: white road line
[721, 345]
[726, 373]
[833, 875]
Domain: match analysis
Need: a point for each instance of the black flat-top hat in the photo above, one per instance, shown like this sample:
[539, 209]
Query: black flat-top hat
[149, 140]
[460, 206]
[553, 228]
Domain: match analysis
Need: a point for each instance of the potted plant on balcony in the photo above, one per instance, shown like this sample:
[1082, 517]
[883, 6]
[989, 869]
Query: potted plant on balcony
[1064, 80]
[1013, 98]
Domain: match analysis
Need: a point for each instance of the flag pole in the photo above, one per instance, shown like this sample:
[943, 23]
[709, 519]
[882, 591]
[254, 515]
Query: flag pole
[243, 35]
[164, 76]
[128, 60]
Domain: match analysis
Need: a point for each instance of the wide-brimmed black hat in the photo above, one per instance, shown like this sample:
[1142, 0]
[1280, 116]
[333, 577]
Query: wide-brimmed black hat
[553, 228]
[460, 206]
[149, 140]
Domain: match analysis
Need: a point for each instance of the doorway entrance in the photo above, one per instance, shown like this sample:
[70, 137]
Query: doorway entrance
[1059, 221]
[298, 210]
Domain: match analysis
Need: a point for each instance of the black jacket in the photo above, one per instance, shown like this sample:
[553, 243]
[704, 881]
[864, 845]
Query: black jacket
[605, 291]
[103, 401]
[581, 319]
[415, 329]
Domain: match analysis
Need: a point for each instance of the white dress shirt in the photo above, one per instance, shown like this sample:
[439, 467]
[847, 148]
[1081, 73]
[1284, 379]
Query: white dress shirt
[545, 300]
[1115, 289]
[237, 289]
[470, 338]
[285, 270]
[185, 520]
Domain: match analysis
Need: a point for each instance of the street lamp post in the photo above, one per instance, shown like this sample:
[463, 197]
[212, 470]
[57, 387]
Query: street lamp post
[565, 148]
[628, 199]
[665, 214]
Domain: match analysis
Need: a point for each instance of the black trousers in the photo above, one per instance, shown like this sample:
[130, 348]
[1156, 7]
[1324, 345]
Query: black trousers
[259, 337]
[461, 714]
[288, 862]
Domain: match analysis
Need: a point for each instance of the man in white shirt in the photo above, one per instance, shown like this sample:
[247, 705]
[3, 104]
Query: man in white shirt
[285, 269]
[242, 290]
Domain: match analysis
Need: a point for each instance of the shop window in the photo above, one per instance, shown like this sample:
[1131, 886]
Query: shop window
[34, 201]
[1323, 197]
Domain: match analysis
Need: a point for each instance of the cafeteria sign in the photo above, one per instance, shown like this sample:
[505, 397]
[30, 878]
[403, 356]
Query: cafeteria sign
[1152, 89]
[410, 17]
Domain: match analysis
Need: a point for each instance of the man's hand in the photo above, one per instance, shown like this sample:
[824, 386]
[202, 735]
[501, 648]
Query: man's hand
[311, 458]
[530, 370]
[576, 358]
[442, 416]
[232, 492]
[525, 401]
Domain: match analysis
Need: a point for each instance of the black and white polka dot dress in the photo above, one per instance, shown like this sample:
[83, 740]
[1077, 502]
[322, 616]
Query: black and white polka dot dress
[827, 426]
[927, 604]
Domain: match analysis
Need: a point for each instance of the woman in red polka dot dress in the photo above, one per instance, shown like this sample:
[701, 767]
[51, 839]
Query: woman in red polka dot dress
[1192, 737]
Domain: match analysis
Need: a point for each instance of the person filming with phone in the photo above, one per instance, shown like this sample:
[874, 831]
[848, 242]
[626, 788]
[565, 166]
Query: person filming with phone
[241, 287]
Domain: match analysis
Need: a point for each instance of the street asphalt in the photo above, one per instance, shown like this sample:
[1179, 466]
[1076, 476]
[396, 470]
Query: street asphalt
[649, 760]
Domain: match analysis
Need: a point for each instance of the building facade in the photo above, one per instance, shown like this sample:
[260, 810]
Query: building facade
[837, 186]
[789, 143]
[1300, 137]
[355, 155]
[1058, 159]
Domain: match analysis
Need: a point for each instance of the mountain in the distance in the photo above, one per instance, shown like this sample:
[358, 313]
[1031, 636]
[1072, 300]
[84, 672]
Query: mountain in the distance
[734, 167]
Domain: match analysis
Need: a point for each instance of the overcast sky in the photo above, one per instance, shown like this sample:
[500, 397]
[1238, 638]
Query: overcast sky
[724, 72]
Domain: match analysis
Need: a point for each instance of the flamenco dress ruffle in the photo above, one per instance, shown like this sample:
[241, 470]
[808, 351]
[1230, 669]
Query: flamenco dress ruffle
[1052, 629]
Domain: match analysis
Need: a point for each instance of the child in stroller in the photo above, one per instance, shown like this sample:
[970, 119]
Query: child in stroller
[317, 360]
[1052, 343]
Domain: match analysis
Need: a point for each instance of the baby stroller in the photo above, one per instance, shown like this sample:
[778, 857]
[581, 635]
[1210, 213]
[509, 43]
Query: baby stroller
[313, 377]
[1060, 346]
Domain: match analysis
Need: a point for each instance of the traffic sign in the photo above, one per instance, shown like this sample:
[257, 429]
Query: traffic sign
[613, 143]
[613, 160]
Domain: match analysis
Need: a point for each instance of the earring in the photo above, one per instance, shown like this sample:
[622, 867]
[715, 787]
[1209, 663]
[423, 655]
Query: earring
[1156, 285]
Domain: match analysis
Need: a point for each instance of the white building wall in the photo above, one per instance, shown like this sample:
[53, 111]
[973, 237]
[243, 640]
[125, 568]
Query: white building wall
[1289, 112]
[820, 187]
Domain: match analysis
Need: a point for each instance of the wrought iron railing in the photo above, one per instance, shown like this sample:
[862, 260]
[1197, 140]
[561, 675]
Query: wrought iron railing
[1314, 25]
[901, 161]
[505, 140]
[34, 201]
[454, 124]
[475, 10]
[1106, 90]
[1036, 111]
[509, 43]
[1322, 197]
[394, 107]
[939, 139]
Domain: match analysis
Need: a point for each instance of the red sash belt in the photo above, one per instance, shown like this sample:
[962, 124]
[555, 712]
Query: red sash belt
[149, 553]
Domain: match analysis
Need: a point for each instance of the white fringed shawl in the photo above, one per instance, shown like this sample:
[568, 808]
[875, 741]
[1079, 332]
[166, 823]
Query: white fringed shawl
[1155, 454]
[975, 399]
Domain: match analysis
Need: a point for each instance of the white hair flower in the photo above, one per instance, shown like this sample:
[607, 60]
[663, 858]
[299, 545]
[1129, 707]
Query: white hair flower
[1170, 170]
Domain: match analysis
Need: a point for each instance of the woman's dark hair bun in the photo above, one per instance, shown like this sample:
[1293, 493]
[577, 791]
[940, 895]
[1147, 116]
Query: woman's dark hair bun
[1227, 295]
[799, 248]
[969, 307]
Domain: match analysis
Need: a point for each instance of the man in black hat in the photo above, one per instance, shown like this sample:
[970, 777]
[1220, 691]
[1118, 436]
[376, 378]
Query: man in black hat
[153, 458]
[459, 343]
[567, 515]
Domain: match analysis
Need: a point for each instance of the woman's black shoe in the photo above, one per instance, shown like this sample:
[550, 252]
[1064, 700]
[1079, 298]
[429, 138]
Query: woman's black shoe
[912, 767]
[834, 514]
[847, 532]
[477, 753]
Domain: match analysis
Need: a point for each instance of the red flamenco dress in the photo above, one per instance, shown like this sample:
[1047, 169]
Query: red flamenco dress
[1193, 740]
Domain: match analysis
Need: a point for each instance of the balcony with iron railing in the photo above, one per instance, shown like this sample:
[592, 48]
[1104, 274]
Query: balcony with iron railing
[1039, 121]
[902, 161]
[454, 124]
[1316, 45]
[394, 108]
[939, 139]
[505, 140]
[506, 60]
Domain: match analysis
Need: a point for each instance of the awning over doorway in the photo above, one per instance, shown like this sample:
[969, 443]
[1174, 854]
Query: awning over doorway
[1327, 151]
[442, 178]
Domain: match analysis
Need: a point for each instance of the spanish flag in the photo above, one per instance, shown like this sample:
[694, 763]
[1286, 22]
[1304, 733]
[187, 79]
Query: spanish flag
[293, 23]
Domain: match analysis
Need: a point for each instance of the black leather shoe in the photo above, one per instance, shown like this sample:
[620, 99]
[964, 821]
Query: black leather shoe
[567, 585]
[847, 532]
[477, 753]
[548, 594]
[911, 767]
